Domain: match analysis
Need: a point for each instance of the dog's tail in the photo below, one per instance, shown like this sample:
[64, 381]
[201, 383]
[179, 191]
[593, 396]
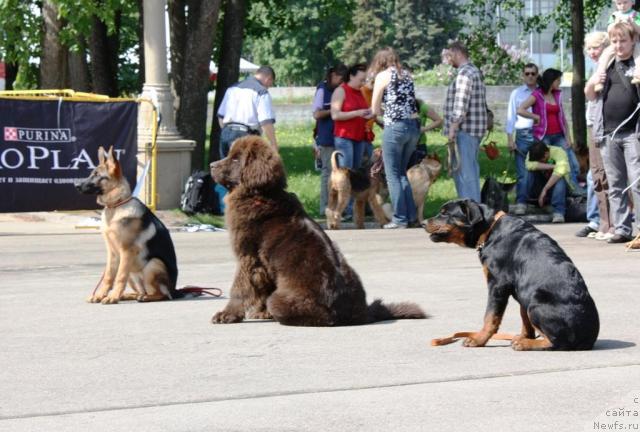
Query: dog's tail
[334, 160]
[378, 311]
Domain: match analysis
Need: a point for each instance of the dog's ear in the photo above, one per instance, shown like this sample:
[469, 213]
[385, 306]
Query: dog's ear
[262, 167]
[473, 211]
[113, 166]
[101, 155]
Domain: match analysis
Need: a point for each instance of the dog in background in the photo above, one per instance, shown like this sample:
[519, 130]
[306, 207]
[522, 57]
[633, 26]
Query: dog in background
[139, 248]
[345, 183]
[288, 268]
[520, 261]
[421, 176]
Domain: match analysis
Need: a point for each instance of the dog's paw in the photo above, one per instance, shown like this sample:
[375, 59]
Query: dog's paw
[224, 317]
[110, 300]
[518, 343]
[472, 342]
[265, 315]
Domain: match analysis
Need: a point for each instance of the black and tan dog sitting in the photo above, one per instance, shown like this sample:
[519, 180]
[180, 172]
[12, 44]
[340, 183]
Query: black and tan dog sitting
[139, 248]
[362, 185]
[523, 262]
[288, 268]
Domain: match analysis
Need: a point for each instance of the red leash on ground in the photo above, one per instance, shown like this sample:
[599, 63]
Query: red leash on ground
[198, 291]
[187, 289]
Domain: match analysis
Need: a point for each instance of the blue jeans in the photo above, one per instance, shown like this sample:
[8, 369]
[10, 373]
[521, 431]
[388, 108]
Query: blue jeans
[227, 137]
[467, 177]
[536, 182]
[524, 140]
[399, 141]
[593, 214]
[559, 140]
[351, 150]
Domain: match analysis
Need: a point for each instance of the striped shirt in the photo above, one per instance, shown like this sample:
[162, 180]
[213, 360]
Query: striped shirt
[466, 102]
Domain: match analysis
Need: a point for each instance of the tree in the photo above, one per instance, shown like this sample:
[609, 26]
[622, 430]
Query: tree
[199, 26]
[235, 13]
[299, 39]
[370, 32]
[53, 63]
[20, 41]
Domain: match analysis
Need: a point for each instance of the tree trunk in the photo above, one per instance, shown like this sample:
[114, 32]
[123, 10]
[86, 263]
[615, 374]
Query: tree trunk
[53, 63]
[577, 86]
[79, 77]
[140, 50]
[104, 57]
[10, 74]
[235, 12]
[178, 39]
[192, 113]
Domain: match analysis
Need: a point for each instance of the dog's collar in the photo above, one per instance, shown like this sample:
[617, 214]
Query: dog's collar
[119, 203]
[485, 235]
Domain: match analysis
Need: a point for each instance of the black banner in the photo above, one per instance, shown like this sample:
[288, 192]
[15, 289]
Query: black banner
[46, 145]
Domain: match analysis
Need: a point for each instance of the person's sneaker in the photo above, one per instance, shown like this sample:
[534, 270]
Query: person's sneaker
[520, 209]
[585, 231]
[619, 238]
[347, 218]
[603, 236]
[557, 218]
[593, 234]
[393, 225]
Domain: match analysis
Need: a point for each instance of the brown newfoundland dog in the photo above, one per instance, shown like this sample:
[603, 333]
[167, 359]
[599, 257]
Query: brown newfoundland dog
[288, 269]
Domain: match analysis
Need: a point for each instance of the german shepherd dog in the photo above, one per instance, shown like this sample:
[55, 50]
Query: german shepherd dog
[345, 183]
[139, 249]
[522, 262]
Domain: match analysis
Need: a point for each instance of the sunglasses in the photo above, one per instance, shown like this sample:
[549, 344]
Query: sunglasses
[531, 73]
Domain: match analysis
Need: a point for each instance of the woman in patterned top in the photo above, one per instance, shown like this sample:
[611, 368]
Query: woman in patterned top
[394, 96]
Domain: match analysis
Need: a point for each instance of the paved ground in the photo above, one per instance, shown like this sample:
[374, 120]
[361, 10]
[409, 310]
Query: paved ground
[66, 365]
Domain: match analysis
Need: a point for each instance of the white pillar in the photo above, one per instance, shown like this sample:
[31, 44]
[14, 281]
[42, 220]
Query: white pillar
[174, 153]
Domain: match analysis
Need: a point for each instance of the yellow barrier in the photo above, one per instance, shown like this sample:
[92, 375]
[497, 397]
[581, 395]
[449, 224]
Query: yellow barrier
[74, 96]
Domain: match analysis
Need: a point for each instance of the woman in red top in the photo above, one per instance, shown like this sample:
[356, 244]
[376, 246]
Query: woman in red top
[350, 112]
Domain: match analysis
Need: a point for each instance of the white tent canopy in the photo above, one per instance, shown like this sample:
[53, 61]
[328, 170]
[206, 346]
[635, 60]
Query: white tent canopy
[245, 66]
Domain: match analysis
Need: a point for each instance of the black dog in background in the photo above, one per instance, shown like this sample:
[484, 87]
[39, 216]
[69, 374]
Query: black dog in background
[520, 261]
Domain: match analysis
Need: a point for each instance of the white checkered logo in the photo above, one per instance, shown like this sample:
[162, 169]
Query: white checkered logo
[10, 134]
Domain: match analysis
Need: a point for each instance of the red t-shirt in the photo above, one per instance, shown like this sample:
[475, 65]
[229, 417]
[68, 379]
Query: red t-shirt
[553, 119]
[354, 128]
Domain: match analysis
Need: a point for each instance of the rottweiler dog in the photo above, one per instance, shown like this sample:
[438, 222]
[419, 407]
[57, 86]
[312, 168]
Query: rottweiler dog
[139, 248]
[523, 262]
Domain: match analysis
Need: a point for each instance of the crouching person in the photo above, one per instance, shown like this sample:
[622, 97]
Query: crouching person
[549, 177]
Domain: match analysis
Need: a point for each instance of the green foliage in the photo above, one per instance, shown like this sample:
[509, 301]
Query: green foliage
[20, 38]
[505, 66]
[369, 32]
[298, 39]
[439, 75]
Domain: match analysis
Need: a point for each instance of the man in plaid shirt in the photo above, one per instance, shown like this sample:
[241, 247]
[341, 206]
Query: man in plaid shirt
[465, 120]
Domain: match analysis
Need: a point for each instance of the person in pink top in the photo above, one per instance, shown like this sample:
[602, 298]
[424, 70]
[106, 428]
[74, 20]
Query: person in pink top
[549, 121]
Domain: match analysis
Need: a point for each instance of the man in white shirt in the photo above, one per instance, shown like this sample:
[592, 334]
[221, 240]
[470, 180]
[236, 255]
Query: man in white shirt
[246, 109]
[522, 127]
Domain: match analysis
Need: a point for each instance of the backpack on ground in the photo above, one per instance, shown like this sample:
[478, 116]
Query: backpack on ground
[199, 195]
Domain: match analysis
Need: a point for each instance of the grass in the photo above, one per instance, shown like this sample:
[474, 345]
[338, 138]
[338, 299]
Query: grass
[296, 145]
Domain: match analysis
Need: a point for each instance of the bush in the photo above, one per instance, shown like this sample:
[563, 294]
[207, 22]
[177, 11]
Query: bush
[500, 64]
